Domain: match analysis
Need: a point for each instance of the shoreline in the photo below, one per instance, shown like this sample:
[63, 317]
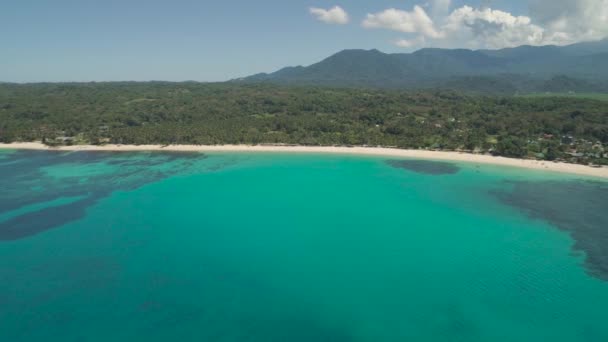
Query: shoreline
[575, 169]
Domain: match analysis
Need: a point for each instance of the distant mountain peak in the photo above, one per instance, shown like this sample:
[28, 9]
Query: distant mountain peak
[436, 67]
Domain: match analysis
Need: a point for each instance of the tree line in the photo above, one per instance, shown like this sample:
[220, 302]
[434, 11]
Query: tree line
[571, 129]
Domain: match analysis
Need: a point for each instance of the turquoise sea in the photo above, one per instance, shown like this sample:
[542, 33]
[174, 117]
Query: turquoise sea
[271, 247]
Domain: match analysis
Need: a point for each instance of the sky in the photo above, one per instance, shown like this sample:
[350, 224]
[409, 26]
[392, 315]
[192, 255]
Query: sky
[202, 40]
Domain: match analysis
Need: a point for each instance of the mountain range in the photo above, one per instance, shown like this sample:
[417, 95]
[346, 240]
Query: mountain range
[578, 67]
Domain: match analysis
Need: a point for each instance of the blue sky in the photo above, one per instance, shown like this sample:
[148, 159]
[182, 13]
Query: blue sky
[175, 40]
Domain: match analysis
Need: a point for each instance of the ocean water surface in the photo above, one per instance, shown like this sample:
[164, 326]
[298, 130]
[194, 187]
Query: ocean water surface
[271, 247]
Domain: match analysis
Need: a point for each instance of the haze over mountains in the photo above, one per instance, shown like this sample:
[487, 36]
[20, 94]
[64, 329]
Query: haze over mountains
[579, 67]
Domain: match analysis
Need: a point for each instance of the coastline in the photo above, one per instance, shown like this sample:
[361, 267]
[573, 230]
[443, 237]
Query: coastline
[575, 169]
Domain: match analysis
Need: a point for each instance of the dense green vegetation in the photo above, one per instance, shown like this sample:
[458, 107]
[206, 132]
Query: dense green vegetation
[193, 113]
[594, 96]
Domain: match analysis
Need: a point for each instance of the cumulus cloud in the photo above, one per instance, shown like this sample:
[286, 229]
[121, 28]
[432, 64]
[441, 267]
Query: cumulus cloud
[440, 7]
[415, 21]
[557, 22]
[493, 28]
[335, 15]
[572, 21]
[408, 43]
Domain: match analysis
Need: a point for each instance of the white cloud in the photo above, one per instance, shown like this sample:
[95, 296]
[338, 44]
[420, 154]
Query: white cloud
[571, 20]
[440, 7]
[408, 43]
[557, 22]
[335, 15]
[415, 21]
[493, 28]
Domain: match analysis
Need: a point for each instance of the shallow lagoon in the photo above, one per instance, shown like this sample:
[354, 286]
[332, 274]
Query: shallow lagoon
[270, 247]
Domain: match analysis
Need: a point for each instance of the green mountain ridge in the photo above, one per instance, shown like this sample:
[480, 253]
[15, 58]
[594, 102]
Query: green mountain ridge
[578, 67]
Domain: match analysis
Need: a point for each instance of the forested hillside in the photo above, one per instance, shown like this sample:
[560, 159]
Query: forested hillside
[580, 67]
[573, 129]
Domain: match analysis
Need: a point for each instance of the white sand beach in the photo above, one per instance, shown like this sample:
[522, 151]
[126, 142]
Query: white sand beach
[375, 151]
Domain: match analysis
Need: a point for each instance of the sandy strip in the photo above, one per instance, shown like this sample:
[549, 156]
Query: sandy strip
[374, 151]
